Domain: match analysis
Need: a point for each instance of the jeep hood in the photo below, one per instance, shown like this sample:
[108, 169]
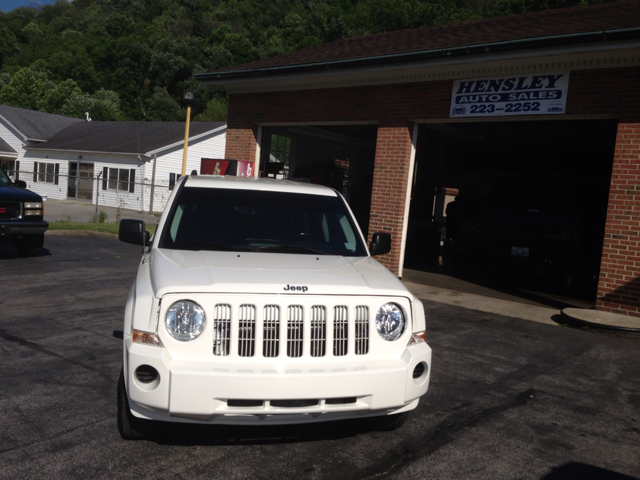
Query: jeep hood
[176, 271]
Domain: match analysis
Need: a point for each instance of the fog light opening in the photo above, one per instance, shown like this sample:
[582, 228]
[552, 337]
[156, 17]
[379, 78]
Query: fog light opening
[420, 370]
[146, 374]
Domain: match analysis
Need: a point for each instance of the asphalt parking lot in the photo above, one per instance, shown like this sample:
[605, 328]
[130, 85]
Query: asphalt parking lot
[509, 398]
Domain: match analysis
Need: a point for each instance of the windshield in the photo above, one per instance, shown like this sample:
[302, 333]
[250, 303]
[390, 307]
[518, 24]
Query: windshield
[260, 221]
[4, 180]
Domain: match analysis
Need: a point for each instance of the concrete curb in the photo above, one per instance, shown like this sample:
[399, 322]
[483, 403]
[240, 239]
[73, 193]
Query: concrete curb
[603, 320]
[485, 304]
[81, 233]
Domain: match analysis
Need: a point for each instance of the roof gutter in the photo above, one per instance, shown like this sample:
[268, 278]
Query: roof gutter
[191, 139]
[88, 152]
[482, 48]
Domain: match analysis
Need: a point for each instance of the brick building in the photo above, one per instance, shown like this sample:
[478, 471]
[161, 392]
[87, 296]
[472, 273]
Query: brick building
[394, 120]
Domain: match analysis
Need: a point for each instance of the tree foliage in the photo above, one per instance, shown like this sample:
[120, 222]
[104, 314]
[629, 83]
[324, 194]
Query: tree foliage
[131, 59]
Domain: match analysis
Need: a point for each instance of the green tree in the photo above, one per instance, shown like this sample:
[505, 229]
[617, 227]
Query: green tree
[25, 90]
[77, 105]
[162, 107]
[106, 105]
[216, 111]
[56, 98]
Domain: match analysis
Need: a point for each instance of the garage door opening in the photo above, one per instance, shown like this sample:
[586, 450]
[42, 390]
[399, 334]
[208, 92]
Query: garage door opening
[337, 156]
[512, 204]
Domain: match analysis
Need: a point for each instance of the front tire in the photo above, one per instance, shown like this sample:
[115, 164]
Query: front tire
[29, 245]
[129, 426]
[389, 423]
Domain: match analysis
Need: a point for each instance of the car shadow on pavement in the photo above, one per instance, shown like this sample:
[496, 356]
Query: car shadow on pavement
[182, 434]
[583, 471]
[566, 321]
[8, 252]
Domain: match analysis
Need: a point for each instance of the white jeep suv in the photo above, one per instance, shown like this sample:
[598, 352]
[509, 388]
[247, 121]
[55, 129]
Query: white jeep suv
[257, 302]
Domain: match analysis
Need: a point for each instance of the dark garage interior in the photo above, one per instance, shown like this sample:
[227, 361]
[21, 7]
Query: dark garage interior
[517, 204]
[337, 156]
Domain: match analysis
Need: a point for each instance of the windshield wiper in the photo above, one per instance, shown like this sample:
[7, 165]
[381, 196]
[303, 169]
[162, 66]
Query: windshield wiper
[202, 246]
[288, 249]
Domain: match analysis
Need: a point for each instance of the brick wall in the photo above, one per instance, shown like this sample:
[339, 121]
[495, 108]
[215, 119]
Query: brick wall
[619, 284]
[241, 144]
[390, 176]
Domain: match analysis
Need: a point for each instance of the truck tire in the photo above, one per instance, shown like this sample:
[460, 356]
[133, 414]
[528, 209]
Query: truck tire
[129, 426]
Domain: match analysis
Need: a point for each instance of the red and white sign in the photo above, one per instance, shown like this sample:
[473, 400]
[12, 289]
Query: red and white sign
[210, 166]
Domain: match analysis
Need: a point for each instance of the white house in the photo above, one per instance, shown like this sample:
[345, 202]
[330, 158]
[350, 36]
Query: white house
[131, 165]
[20, 128]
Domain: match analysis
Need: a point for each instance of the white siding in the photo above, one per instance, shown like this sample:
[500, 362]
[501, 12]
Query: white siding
[170, 161]
[211, 146]
[112, 198]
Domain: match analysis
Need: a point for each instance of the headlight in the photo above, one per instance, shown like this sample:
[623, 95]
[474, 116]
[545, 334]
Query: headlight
[390, 321]
[185, 320]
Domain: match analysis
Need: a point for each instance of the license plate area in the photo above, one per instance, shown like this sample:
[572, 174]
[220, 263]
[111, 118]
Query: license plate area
[519, 251]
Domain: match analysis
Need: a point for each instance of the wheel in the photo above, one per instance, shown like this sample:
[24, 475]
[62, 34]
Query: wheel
[130, 427]
[29, 245]
[305, 237]
[391, 422]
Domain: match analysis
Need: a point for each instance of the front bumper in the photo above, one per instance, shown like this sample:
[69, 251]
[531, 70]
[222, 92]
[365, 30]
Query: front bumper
[198, 392]
[22, 228]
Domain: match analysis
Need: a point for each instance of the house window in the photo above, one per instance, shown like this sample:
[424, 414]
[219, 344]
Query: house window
[11, 168]
[173, 178]
[119, 179]
[46, 172]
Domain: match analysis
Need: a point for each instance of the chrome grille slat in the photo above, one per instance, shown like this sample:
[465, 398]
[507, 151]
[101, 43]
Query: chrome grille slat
[362, 330]
[271, 331]
[222, 330]
[318, 330]
[246, 330]
[340, 331]
[295, 326]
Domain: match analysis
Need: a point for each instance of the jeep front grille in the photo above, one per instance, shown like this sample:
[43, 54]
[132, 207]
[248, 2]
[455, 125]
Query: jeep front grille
[307, 331]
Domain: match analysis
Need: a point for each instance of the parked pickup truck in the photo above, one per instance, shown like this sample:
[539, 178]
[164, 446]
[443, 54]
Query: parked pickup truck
[257, 302]
[21, 216]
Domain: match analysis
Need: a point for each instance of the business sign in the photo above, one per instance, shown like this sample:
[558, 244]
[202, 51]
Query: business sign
[540, 94]
[212, 166]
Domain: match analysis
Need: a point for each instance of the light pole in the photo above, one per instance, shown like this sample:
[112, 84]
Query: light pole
[188, 97]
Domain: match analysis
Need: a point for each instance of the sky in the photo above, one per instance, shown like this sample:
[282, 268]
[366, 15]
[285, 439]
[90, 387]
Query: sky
[8, 5]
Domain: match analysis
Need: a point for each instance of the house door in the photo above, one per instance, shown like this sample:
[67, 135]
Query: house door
[80, 184]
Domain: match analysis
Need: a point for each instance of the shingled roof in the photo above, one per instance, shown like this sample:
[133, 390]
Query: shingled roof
[510, 32]
[135, 138]
[35, 126]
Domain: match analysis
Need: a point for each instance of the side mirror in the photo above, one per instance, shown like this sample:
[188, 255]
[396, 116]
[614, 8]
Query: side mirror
[380, 243]
[21, 183]
[133, 231]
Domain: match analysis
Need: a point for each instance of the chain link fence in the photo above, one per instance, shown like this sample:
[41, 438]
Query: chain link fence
[91, 198]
